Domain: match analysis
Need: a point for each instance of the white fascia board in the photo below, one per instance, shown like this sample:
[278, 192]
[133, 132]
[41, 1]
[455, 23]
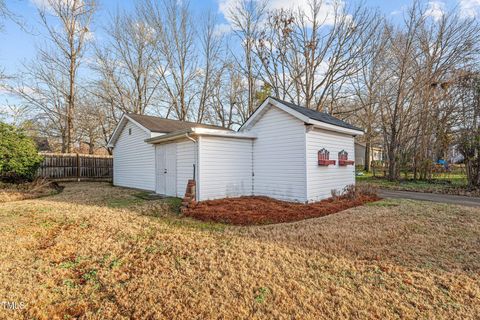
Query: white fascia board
[289, 110]
[169, 136]
[281, 106]
[119, 128]
[222, 133]
[138, 124]
[116, 132]
[156, 134]
[255, 114]
[199, 132]
[298, 115]
[332, 127]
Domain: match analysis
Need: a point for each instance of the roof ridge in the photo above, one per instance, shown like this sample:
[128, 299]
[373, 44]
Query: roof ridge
[159, 124]
[169, 119]
[297, 105]
[317, 115]
[176, 120]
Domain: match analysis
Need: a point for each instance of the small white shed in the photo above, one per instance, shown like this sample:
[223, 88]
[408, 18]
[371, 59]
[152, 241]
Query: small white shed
[282, 151]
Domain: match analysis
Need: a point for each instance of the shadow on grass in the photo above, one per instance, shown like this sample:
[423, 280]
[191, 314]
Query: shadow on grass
[141, 202]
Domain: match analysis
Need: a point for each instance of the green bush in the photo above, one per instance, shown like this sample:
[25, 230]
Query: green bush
[19, 158]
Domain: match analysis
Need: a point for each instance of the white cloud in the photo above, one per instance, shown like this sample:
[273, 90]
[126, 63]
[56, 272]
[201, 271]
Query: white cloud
[326, 12]
[470, 8]
[41, 4]
[435, 9]
[222, 28]
[47, 4]
[399, 11]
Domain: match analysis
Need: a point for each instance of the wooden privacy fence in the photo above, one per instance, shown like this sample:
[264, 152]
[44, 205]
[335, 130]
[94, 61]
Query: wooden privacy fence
[73, 166]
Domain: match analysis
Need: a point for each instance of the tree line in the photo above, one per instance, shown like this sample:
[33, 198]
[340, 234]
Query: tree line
[412, 84]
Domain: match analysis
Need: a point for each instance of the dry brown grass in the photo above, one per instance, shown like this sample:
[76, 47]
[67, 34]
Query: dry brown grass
[98, 252]
[28, 190]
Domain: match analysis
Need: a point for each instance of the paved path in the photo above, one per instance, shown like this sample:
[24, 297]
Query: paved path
[434, 197]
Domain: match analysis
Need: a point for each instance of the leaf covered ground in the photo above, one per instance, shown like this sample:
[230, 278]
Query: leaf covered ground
[28, 190]
[99, 252]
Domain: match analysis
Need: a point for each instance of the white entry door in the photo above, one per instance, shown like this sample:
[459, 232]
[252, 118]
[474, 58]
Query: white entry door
[166, 158]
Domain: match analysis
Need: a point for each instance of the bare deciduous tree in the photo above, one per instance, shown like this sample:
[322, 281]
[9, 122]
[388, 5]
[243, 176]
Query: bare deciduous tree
[213, 66]
[468, 140]
[230, 102]
[127, 65]
[45, 89]
[176, 53]
[308, 56]
[89, 121]
[399, 82]
[68, 43]
[246, 18]
[366, 88]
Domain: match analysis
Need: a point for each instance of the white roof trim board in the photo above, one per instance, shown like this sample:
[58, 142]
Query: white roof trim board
[119, 128]
[316, 123]
[199, 131]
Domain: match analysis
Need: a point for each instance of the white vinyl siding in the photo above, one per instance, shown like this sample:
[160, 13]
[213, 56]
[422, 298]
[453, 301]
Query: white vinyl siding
[322, 179]
[279, 156]
[185, 161]
[282, 158]
[134, 159]
[225, 166]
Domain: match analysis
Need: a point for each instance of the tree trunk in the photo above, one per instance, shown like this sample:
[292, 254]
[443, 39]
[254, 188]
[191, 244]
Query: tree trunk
[368, 147]
[392, 163]
[91, 147]
[71, 98]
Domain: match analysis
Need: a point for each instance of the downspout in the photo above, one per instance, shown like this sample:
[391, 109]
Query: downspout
[195, 165]
[253, 169]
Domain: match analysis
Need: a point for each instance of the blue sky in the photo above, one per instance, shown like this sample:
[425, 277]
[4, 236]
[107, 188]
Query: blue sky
[18, 46]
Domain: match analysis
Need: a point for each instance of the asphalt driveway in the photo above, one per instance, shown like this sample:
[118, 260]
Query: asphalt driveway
[434, 197]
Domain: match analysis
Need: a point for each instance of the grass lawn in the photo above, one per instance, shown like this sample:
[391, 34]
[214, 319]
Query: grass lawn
[99, 252]
[449, 183]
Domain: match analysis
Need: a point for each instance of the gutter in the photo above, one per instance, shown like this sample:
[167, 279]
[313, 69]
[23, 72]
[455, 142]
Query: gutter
[335, 128]
[169, 136]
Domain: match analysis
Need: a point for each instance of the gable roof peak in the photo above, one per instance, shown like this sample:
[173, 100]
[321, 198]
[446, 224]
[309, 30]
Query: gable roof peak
[317, 115]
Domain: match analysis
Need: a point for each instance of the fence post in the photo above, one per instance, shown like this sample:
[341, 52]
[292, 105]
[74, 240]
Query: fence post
[78, 168]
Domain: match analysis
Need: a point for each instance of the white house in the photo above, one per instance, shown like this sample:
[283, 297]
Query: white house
[376, 153]
[282, 151]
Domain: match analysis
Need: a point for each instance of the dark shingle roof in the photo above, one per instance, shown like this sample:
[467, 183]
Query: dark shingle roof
[317, 115]
[157, 124]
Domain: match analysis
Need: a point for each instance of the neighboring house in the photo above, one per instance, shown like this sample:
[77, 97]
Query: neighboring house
[282, 151]
[376, 153]
[454, 155]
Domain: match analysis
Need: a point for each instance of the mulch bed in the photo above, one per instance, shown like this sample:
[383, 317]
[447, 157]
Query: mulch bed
[264, 210]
